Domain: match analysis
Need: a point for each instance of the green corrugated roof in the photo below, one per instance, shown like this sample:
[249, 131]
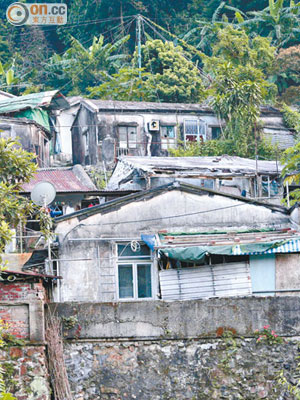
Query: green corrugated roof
[53, 100]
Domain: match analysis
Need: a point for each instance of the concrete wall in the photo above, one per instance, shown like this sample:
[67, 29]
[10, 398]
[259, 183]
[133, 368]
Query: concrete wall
[29, 136]
[288, 273]
[181, 319]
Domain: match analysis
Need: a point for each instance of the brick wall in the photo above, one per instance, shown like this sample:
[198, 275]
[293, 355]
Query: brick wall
[15, 291]
[21, 306]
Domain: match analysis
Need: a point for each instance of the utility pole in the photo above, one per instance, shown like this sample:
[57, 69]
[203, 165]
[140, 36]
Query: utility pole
[139, 38]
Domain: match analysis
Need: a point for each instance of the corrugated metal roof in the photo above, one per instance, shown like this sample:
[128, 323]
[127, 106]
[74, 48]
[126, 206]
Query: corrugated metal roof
[63, 179]
[52, 99]
[225, 163]
[179, 167]
[227, 238]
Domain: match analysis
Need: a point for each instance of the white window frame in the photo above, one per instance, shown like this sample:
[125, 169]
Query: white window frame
[135, 280]
[168, 142]
[199, 122]
[144, 260]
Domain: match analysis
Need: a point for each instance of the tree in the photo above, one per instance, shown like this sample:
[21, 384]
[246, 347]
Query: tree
[239, 67]
[279, 22]
[129, 84]
[80, 68]
[175, 78]
[287, 74]
[16, 167]
[291, 170]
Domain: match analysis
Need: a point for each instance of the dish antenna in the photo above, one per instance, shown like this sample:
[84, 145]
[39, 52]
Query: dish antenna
[43, 193]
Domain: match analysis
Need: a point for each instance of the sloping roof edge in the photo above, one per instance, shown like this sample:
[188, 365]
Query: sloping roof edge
[52, 99]
[113, 204]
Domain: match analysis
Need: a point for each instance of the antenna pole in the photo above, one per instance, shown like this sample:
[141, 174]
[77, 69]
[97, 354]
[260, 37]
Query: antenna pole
[139, 45]
[48, 240]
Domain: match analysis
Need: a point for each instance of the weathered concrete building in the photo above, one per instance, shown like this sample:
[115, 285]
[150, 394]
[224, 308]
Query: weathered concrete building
[32, 137]
[235, 175]
[176, 241]
[104, 130]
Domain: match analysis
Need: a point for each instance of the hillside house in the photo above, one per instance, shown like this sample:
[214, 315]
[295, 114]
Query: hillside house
[177, 241]
[229, 174]
[63, 119]
[104, 130]
[28, 118]
[74, 190]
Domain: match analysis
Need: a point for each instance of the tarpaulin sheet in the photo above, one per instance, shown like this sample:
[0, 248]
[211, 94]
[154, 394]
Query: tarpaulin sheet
[36, 114]
[197, 253]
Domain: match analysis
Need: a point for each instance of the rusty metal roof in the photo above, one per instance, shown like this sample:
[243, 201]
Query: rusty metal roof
[65, 180]
[215, 238]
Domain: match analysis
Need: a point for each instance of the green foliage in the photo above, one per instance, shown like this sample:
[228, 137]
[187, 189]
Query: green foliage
[4, 395]
[278, 21]
[129, 84]
[287, 73]
[80, 68]
[220, 146]
[175, 78]
[290, 172]
[16, 167]
[237, 47]
[238, 67]
[291, 118]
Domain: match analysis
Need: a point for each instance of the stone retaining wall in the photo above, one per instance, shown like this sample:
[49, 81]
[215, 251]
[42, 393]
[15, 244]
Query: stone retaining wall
[180, 369]
[25, 372]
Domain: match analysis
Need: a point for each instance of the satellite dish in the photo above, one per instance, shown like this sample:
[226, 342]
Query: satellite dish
[43, 193]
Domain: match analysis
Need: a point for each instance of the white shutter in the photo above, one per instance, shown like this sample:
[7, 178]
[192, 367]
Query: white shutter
[208, 281]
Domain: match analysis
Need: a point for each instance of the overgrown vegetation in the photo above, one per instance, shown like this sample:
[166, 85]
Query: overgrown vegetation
[4, 395]
[16, 167]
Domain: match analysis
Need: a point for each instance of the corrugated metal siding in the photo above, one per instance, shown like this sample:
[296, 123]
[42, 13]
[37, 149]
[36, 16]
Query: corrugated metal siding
[207, 281]
[283, 138]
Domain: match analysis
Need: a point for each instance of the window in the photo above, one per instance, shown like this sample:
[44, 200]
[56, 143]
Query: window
[194, 130]
[134, 272]
[168, 137]
[215, 132]
[127, 137]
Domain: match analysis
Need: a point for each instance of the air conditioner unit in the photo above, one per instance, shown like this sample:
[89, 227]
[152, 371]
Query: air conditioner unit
[154, 125]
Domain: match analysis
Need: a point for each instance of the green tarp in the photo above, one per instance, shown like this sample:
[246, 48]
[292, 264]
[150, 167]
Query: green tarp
[36, 114]
[197, 253]
[52, 99]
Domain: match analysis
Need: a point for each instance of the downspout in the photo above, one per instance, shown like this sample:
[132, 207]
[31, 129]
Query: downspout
[148, 135]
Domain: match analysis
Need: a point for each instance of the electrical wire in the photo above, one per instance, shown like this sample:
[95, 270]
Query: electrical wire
[86, 66]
